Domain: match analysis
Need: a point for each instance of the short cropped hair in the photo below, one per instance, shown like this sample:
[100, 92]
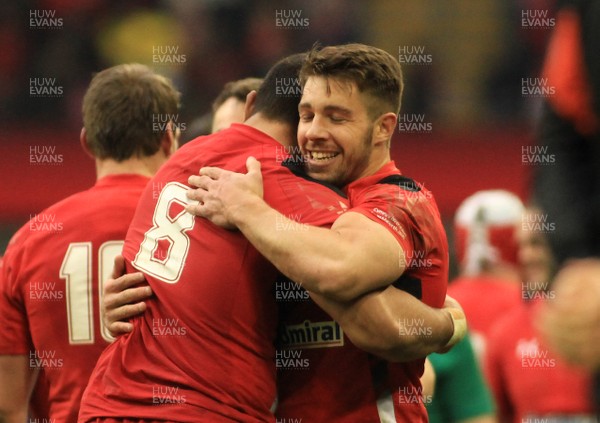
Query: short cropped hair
[125, 110]
[279, 95]
[375, 72]
[236, 89]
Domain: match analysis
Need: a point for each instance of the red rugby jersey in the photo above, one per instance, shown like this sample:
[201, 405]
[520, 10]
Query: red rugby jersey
[204, 350]
[528, 380]
[485, 300]
[50, 284]
[322, 376]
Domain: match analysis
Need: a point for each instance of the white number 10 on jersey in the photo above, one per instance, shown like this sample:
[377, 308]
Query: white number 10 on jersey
[76, 269]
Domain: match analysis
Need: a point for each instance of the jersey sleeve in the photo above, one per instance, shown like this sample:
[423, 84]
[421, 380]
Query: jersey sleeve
[380, 203]
[14, 331]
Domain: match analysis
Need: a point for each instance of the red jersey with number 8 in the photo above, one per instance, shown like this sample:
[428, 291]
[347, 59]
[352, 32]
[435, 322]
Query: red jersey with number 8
[204, 350]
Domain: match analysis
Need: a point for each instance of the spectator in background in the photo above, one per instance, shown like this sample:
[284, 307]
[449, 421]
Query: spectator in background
[486, 248]
[518, 361]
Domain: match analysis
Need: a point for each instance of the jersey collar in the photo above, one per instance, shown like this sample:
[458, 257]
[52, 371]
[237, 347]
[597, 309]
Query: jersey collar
[386, 170]
[119, 178]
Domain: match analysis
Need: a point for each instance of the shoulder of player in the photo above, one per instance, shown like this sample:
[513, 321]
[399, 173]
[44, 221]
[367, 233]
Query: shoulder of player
[236, 139]
[79, 210]
[27, 232]
[18, 246]
[16, 242]
[75, 204]
[225, 152]
[302, 199]
[418, 206]
[396, 187]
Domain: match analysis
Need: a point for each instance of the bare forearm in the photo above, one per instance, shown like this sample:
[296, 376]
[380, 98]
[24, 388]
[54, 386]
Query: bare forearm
[391, 324]
[16, 383]
[315, 258]
[355, 256]
[13, 417]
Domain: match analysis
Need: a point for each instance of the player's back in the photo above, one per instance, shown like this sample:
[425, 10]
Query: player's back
[323, 376]
[52, 270]
[205, 346]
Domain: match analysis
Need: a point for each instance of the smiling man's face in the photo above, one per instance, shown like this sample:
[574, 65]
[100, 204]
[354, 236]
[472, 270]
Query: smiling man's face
[335, 132]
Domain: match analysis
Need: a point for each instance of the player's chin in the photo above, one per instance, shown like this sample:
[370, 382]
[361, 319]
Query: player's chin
[323, 175]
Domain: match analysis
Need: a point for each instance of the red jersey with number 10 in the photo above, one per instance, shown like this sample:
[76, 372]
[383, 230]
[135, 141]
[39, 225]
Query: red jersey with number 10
[204, 350]
[50, 283]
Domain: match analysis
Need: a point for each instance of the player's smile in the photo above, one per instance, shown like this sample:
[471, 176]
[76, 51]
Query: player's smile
[320, 159]
[321, 156]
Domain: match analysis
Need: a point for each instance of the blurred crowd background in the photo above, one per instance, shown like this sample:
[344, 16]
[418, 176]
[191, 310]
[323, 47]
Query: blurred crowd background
[479, 50]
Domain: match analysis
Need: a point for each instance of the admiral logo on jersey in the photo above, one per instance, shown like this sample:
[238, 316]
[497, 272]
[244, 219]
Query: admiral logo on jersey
[312, 335]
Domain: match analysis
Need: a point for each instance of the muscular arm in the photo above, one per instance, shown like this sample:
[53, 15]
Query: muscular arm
[17, 379]
[389, 323]
[396, 326]
[355, 256]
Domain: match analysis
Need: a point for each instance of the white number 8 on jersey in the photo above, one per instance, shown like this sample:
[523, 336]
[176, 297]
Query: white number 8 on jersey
[171, 230]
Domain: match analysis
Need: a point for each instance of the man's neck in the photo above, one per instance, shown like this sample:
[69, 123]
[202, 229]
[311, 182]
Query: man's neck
[379, 158]
[146, 166]
[279, 131]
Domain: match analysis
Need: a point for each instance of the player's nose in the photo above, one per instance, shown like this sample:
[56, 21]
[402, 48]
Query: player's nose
[316, 130]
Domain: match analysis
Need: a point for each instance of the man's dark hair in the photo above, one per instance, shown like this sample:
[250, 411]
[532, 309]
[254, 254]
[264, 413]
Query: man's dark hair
[376, 73]
[278, 96]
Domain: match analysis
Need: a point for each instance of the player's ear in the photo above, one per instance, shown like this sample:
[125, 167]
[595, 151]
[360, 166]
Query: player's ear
[249, 106]
[170, 139]
[84, 143]
[384, 128]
